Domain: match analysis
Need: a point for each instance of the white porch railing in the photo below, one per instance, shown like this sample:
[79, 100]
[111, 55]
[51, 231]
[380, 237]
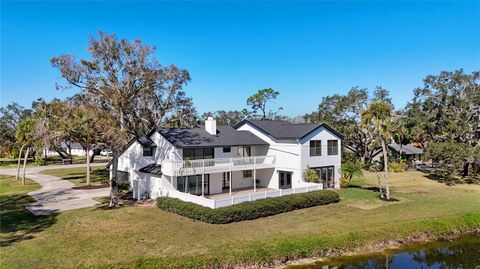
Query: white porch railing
[193, 167]
[237, 199]
[233, 200]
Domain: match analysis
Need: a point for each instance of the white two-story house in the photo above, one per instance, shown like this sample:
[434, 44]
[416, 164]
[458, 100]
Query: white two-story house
[217, 166]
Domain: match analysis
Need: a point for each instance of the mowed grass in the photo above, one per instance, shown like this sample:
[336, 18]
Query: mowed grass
[16, 223]
[98, 175]
[147, 237]
[52, 160]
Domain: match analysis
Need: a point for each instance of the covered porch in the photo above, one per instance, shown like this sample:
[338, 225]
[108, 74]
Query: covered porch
[233, 196]
[224, 184]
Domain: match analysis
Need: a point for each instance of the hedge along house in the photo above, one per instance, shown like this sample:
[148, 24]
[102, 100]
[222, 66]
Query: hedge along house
[217, 166]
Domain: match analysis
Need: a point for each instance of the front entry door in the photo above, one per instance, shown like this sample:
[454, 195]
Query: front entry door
[284, 180]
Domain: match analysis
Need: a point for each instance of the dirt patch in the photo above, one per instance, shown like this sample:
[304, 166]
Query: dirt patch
[91, 187]
[389, 200]
[412, 191]
[365, 206]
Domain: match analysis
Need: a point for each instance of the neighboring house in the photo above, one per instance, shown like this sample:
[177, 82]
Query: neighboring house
[76, 150]
[217, 166]
[410, 152]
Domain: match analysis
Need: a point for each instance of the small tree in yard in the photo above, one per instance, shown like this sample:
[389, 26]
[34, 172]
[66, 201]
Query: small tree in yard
[350, 170]
[125, 80]
[377, 118]
[86, 124]
[25, 136]
[310, 175]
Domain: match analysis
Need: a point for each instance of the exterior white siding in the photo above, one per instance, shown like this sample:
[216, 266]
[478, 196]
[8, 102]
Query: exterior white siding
[291, 156]
[287, 156]
[132, 159]
[218, 152]
[294, 155]
[308, 161]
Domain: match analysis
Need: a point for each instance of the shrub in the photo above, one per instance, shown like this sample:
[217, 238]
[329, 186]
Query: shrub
[124, 185]
[397, 167]
[40, 161]
[248, 210]
[349, 170]
[310, 175]
[344, 182]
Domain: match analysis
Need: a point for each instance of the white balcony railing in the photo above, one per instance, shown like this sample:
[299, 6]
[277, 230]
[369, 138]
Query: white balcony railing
[206, 166]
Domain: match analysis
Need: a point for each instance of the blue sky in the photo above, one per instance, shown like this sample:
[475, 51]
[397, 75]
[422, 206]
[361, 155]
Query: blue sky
[305, 50]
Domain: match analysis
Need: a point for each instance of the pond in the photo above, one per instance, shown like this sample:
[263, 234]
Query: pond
[463, 252]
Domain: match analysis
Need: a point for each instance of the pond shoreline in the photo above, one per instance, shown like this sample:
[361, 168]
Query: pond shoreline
[417, 238]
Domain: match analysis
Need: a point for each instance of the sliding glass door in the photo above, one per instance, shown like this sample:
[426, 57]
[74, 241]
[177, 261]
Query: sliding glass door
[193, 184]
[327, 176]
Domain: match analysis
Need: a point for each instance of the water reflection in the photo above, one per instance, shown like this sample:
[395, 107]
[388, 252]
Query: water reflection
[462, 253]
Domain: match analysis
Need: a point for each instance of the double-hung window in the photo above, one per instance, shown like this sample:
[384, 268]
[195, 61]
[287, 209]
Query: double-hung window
[148, 151]
[332, 147]
[315, 148]
[247, 173]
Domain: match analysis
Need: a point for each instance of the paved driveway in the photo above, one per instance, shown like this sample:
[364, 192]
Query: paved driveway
[57, 194]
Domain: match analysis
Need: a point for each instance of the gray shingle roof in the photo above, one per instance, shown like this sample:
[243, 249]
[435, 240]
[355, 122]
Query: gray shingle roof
[198, 137]
[406, 149]
[146, 142]
[153, 168]
[281, 129]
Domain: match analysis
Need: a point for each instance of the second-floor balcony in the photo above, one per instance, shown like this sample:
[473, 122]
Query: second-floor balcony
[207, 166]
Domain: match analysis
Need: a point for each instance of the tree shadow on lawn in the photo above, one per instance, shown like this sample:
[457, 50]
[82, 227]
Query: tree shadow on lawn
[96, 176]
[374, 189]
[369, 188]
[451, 180]
[17, 223]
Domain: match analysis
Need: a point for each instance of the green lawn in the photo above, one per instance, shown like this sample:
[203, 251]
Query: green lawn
[146, 237]
[98, 175]
[16, 223]
[13, 162]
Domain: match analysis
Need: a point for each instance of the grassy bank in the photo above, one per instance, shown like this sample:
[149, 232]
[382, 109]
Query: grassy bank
[98, 175]
[147, 237]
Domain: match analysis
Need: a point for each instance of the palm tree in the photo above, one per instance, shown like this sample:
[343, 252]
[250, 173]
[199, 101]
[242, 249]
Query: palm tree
[378, 116]
[401, 135]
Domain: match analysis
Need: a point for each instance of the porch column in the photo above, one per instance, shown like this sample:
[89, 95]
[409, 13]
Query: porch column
[231, 178]
[254, 180]
[203, 178]
[254, 174]
[203, 186]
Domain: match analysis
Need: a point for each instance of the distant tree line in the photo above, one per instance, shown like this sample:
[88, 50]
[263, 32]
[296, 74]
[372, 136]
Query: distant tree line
[124, 92]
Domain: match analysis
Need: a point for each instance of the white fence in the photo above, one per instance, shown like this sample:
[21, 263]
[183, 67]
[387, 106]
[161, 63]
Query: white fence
[233, 200]
[199, 200]
[237, 199]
